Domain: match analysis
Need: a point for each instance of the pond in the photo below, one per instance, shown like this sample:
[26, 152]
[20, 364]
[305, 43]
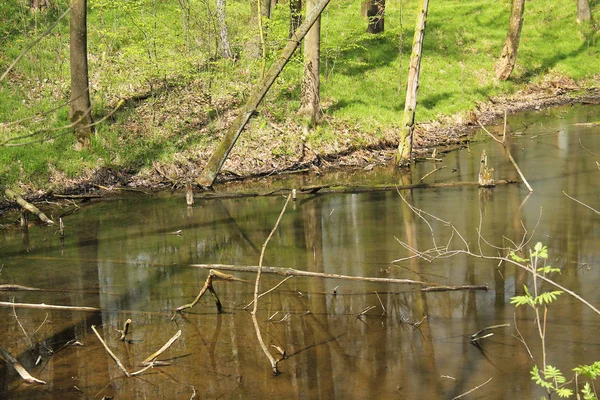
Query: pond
[133, 258]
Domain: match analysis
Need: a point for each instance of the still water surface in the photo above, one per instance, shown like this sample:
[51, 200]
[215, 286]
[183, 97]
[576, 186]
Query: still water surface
[120, 256]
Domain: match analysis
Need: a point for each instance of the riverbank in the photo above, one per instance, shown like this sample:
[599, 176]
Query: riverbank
[444, 135]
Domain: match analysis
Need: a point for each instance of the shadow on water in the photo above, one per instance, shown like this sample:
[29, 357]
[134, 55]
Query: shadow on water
[122, 258]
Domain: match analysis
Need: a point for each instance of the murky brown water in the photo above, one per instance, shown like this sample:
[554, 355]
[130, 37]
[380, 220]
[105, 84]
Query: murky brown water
[119, 256]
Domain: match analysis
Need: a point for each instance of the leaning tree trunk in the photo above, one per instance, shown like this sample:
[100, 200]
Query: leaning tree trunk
[410, 104]
[583, 11]
[375, 13]
[309, 96]
[234, 131]
[225, 47]
[80, 111]
[508, 57]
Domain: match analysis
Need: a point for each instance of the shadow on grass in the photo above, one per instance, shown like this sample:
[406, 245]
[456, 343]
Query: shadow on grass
[548, 63]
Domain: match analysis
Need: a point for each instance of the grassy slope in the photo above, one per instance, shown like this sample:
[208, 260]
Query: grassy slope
[163, 61]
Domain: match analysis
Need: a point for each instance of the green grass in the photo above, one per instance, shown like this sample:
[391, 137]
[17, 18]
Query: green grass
[162, 59]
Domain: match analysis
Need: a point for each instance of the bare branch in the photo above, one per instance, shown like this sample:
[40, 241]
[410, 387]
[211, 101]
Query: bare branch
[257, 286]
[582, 203]
[32, 44]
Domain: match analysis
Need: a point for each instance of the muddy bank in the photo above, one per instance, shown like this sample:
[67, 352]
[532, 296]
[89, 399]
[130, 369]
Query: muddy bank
[254, 158]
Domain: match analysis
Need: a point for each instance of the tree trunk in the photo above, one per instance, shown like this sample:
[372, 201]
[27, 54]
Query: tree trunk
[216, 161]
[375, 13]
[410, 104]
[265, 8]
[80, 111]
[295, 16]
[511, 45]
[225, 48]
[309, 97]
[583, 11]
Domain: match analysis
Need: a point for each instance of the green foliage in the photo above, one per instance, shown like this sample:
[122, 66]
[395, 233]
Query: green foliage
[142, 50]
[589, 371]
[587, 392]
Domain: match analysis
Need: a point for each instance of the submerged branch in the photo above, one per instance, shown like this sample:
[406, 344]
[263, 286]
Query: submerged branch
[26, 205]
[257, 287]
[110, 353]
[49, 307]
[18, 367]
[427, 286]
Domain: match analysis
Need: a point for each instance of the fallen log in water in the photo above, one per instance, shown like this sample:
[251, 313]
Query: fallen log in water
[26, 205]
[48, 307]
[426, 286]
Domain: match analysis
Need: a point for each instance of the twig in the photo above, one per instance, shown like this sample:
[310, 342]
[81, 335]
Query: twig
[49, 307]
[476, 336]
[583, 204]
[18, 367]
[520, 338]
[366, 310]
[586, 149]
[110, 353]
[381, 302]
[36, 41]
[125, 329]
[21, 326]
[257, 286]
[154, 356]
[431, 172]
[472, 390]
[510, 157]
[269, 291]
[207, 286]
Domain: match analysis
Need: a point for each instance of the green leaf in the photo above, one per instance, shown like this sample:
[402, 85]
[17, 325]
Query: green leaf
[590, 371]
[515, 257]
[535, 375]
[547, 297]
[554, 373]
[564, 392]
[522, 301]
[548, 269]
[541, 251]
[588, 394]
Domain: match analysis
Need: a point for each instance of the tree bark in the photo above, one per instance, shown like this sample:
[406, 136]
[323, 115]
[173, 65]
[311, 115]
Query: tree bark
[295, 16]
[225, 47]
[80, 106]
[508, 57]
[583, 11]
[375, 14]
[217, 159]
[410, 104]
[309, 97]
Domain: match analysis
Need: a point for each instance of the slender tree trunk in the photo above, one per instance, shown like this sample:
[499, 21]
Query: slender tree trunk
[375, 13]
[234, 131]
[80, 107]
[295, 16]
[265, 8]
[410, 104]
[309, 97]
[508, 57]
[583, 11]
[225, 48]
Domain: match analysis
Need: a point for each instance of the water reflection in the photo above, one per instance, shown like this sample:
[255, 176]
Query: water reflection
[126, 258]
